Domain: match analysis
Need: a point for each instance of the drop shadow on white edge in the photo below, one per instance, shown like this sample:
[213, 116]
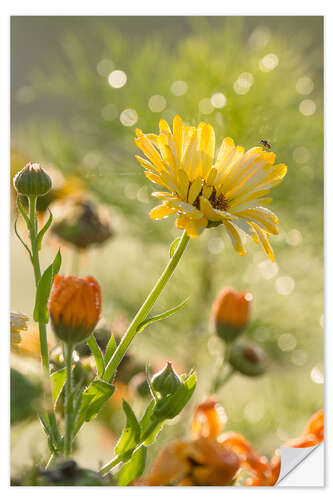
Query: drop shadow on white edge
[302, 466]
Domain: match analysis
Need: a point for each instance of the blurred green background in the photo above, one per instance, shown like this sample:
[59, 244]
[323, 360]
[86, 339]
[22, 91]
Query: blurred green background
[80, 86]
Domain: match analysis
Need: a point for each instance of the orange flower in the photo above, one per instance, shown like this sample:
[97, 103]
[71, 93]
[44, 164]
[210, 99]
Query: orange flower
[313, 434]
[250, 459]
[230, 313]
[75, 306]
[315, 425]
[202, 462]
[209, 420]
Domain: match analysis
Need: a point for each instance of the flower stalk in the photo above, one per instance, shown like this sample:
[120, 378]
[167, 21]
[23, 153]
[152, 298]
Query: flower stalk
[143, 312]
[68, 354]
[33, 231]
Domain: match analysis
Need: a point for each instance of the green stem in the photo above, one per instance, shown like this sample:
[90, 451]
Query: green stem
[219, 381]
[145, 309]
[68, 354]
[42, 326]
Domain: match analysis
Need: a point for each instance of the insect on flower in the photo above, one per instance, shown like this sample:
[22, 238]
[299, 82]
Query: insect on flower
[265, 143]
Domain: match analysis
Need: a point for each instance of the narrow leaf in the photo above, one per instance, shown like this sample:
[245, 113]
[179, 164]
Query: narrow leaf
[58, 380]
[164, 315]
[23, 212]
[43, 231]
[44, 289]
[97, 353]
[133, 468]
[173, 246]
[110, 348]
[131, 434]
[21, 240]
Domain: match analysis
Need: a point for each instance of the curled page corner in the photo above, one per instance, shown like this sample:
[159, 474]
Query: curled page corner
[291, 458]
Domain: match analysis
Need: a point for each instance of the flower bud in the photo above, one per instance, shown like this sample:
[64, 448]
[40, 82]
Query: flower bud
[166, 381]
[83, 226]
[74, 306]
[32, 180]
[230, 313]
[248, 359]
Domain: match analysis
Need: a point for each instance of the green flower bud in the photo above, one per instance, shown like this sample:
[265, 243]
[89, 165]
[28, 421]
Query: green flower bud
[166, 381]
[248, 359]
[83, 226]
[32, 180]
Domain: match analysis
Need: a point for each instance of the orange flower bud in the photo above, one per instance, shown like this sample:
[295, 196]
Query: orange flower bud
[230, 313]
[75, 306]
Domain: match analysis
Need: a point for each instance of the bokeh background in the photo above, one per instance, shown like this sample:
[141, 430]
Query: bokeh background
[80, 86]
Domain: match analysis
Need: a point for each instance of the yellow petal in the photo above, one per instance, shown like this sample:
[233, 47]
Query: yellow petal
[194, 190]
[194, 227]
[178, 135]
[208, 211]
[235, 238]
[164, 127]
[206, 148]
[264, 242]
[182, 184]
[148, 149]
[161, 211]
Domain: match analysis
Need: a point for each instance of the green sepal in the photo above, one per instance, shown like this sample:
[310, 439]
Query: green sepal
[44, 289]
[172, 405]
[97, 353]
[133, 468]
[131, 433]
[164, 315]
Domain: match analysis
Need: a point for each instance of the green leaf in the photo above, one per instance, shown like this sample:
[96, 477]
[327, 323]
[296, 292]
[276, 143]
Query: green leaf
[164, 315]
[44, 289]
[173, 246]
[58, 380]
[23, 212]
[97, 353]
[133, 468]
[131, 434]
[150, 425]
[110, 348]
[93, 399]
[21, 240]
[43, 231]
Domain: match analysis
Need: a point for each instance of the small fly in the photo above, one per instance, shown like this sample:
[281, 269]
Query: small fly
[265, 143]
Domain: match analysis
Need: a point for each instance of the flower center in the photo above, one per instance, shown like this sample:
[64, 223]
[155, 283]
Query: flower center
[217, 202]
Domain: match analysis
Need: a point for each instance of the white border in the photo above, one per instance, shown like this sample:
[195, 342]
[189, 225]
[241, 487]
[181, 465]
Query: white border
[172, 7]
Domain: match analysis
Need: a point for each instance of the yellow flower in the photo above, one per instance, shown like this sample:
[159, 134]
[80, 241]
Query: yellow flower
[18, 322]
[202, 193]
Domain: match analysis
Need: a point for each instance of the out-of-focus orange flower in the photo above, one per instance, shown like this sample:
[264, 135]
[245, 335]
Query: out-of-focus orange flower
[209, 420]
[202, 462]
[250, 459]
[312, 435]
[315, 425]
[230, 313]
[75, 306]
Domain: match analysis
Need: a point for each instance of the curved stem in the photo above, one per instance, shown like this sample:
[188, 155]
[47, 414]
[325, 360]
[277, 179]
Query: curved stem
[68, 354]
[145, 309]
[219, 381]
